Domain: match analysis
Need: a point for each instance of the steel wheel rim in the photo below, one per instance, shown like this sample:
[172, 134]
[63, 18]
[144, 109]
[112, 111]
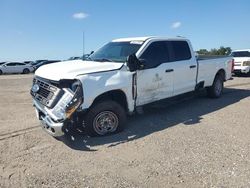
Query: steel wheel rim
[218, 87]
[105, 122]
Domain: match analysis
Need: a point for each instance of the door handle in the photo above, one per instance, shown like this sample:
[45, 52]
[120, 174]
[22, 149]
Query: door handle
[192, 66]
[169, 70]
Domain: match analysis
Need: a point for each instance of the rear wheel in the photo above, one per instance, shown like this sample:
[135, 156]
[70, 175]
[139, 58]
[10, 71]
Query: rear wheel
[1, 72]
[26, 71]
[105, 118]
[216, 90]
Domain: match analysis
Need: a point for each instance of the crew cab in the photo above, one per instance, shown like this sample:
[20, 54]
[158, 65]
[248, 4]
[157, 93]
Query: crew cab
[120, 77]
[241, 61]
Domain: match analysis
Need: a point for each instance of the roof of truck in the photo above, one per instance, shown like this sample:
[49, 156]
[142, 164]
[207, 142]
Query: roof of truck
[145, 38]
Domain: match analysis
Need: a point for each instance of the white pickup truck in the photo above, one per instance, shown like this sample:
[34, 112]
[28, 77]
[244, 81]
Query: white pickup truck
[120, 77]
[241, 61]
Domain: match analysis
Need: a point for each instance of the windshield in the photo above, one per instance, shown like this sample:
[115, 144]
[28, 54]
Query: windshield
[241, 54]
[115, 51]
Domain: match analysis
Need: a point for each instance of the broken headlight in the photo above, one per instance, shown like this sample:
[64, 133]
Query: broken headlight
[76, 101]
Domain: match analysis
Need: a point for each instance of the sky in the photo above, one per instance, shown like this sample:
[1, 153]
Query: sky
[53, 29]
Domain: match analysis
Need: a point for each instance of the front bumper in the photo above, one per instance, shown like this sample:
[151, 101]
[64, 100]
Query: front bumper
[55, 106]
[241, 69]
[52, 127]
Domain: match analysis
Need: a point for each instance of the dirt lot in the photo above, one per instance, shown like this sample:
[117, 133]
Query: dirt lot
[199, 142]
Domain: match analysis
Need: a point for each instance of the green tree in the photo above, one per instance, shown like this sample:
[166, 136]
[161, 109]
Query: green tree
[213, 51]
[202, 52]
[221, 51]
[228, 50]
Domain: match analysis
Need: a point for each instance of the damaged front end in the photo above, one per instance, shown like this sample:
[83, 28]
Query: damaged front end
[56, 102]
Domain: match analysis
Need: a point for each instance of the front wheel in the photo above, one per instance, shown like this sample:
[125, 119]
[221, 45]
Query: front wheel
[216, 90]
[105, 118]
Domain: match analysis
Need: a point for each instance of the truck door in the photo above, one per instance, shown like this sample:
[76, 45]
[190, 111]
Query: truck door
[155, 80]
[185, 67]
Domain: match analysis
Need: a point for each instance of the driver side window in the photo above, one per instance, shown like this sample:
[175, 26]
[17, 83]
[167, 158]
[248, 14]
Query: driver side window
[155, 54]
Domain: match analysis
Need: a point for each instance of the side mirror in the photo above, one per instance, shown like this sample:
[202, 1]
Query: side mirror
[142, 64]
[134, 63]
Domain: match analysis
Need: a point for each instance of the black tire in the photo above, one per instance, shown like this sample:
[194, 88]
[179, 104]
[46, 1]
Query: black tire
[1, 72]
[216, 90]
[26, 71]
[104, 115]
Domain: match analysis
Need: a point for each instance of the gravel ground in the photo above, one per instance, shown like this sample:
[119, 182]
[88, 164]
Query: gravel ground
[199, 142]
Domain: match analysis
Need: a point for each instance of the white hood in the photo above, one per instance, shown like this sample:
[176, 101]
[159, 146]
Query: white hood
[71, 69]
[241, 59]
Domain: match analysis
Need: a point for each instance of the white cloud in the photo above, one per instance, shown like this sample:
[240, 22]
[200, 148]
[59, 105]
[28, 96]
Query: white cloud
[80, 15]
[176, 25]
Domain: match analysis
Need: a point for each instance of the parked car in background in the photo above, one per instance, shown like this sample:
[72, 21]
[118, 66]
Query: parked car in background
[15, 67]
[28, 62]
[45, 63]
[241, 61]
[85, 56]
[38, 61]
[74, 58]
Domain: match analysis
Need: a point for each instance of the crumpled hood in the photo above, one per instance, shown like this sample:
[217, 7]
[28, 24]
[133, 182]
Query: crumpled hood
[71, 69]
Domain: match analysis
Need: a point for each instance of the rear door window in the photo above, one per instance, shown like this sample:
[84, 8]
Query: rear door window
[180, 50]
[20, 64]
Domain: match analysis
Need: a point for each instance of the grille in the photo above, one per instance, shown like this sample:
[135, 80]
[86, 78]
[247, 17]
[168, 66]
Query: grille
[46, 94]
[237, 63]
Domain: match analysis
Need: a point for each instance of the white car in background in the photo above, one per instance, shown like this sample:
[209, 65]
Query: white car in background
[1, 63]
[241, 61]
[15, 67]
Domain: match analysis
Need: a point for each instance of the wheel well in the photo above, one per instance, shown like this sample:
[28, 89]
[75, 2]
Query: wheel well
[115, 95]
[222, 73]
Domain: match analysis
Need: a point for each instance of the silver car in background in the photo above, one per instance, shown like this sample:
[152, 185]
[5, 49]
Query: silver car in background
[15, 67]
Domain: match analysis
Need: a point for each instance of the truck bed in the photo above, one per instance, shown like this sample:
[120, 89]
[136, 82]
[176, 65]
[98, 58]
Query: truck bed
[205, 57]
[209, 65]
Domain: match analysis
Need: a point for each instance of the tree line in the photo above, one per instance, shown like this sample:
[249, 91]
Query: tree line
[220, 51]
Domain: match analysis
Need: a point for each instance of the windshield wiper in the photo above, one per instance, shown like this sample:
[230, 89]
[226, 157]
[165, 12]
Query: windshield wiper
[103, 60]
